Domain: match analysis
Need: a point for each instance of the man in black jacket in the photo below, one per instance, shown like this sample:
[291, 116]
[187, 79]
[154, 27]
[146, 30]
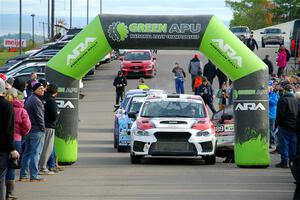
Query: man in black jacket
[269, 63]
[251, 43]
[51, 116]
[210, 71]
[286, 118]
[7, 148]
[35, 139]
[120, 83]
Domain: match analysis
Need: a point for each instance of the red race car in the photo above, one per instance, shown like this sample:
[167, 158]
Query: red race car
[138, 63]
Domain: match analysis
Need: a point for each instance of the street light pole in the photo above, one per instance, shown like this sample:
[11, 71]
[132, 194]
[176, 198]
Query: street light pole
[20, 28]
[44, 39]
[87, 12]
[32, 15]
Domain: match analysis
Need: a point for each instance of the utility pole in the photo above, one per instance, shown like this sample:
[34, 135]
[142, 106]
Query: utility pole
[20, 28]
[52, 18]
[32, 15]
[87, 12]
[48, 24]
[70, 13]
[100, 6]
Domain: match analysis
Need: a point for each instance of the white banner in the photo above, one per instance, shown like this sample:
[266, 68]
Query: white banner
[14, 43]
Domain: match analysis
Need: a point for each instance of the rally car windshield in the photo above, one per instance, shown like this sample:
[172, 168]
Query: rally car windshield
[137, 56]
[173, 109]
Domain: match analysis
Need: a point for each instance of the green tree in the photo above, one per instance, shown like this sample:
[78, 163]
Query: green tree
[253, 13]
[286, 10]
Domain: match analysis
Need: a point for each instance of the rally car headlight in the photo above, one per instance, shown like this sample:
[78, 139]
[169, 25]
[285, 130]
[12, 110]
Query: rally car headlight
[149, 67]
[141, 133]
[204, 133]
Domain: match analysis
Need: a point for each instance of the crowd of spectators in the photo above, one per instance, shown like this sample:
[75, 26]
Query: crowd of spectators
[28, 118]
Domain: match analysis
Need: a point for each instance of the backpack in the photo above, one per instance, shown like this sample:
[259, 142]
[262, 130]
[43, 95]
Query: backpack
[288, 55]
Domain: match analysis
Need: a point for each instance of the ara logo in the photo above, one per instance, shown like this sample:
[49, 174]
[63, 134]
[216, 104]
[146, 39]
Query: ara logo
[65, 104]
[118, 31]
[79, 49]
[249, 106]
[229, 51]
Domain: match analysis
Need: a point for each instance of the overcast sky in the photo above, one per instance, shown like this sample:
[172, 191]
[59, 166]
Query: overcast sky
[39, 7]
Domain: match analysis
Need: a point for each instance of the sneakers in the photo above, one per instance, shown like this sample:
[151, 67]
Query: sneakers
[282, 165]
[24, 179]
[54, 170]
[37, 180]
[46, 172]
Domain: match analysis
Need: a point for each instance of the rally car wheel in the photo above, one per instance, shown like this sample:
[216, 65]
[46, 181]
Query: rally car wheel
[210, 160]
[122, 149]
[115, 135]
[135, 159]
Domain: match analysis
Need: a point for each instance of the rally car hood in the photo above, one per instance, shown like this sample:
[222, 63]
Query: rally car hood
[179, 123]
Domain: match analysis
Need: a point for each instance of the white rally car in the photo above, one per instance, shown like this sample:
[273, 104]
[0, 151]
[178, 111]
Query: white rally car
[173, 125]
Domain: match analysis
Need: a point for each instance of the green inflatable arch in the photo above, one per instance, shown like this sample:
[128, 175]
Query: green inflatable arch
[200, 32]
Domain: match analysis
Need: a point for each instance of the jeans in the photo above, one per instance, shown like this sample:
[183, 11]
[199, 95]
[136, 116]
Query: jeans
[287, 145]
[211, 106]
[3, 168]
[272, 134]
[33, 148]
[179, 86]
[11, 173]
[51, 162]
[119, 96]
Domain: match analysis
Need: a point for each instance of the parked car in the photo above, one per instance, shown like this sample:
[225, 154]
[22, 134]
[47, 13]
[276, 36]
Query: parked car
[223, 121]
[173, 125]
[24, 62]
[138, 63]
[272, 36]
[242, 32]
[295, 38]
[23, 72]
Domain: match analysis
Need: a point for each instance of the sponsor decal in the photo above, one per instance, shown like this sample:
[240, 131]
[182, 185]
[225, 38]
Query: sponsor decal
[227, 52]
[80, 50]
[237, 93]
[64, 104]
[249, 106]
[119, 31]
[67, 90]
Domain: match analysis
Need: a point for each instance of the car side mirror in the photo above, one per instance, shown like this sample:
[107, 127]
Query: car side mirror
[121, 58]
[132, 115]
[283, 32]
[261, 32]
[154, 58]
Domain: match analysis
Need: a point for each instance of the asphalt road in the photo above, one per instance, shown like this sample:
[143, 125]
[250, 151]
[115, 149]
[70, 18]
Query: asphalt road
[103, 173]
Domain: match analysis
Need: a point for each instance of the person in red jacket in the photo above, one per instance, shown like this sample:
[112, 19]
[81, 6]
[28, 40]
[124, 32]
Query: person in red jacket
[281, 60]
[22, 125]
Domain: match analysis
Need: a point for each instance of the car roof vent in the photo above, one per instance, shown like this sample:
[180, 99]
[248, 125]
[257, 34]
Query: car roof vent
[173, 96]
